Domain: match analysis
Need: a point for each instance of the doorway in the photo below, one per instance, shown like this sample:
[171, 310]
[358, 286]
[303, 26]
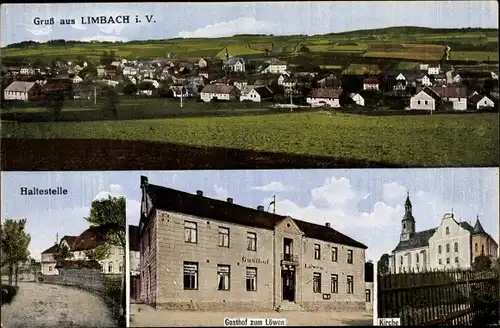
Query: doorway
[288, 284]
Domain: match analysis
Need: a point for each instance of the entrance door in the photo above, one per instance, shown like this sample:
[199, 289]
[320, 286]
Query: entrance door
[288, 283]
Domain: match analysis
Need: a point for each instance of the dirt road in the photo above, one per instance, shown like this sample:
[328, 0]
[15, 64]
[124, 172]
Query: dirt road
[38, 305]
[145, 316]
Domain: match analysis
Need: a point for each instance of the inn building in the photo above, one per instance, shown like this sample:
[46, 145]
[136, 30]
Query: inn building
[206, 254]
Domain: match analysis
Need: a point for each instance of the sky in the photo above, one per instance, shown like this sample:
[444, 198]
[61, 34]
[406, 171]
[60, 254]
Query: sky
[188, 20]
[50, 215]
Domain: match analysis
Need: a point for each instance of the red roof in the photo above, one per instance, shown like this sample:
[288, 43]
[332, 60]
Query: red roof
[451, 91]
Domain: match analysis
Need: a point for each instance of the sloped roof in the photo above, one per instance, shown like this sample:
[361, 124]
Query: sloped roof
[92, 237]
[417, 240]
[52, 249]
[477, 98]
[332, 93]
[451, 91]
[133, 238]
[478, 228]
[182, 202]
[264, 91]
[19, 86]
[218, 88]
[70, 240]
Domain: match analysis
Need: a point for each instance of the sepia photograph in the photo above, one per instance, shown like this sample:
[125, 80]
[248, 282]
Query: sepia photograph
[268, 85]
[63, 250]
[441, 263]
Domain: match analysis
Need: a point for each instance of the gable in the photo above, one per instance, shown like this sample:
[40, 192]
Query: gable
[423, 95]
[287, 225]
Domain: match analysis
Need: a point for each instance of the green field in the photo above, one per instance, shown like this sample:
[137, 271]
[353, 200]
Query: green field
[421, 140]
[409, 43]
[474, 55]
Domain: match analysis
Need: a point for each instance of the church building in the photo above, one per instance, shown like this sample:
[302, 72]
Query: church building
[453, 244]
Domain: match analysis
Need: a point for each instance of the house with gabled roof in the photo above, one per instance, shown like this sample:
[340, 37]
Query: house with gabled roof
[453, 244]
[256, 93]
[219, 92]
[324, 97]
[478, 101]
[425, 99]
[209, 254]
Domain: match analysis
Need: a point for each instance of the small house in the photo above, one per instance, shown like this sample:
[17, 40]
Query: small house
[478, 102]
[324, 97]
[219, 92]
[371, 83]
[425, 99]
[256, 93]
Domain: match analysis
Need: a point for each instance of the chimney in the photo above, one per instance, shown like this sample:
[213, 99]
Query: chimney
[144, 181]
[199, 192]
[327, 224]
[230, 200]
[260, 208]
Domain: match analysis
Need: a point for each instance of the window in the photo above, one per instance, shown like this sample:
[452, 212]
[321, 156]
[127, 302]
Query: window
[426, 102]
[456, 247]
[368, 296]
[418, 102]
[223, 237]
[440, 261]
[317, 282]
[349, 256]
[482, 249]
[334, 254]
[251, 241]
[110, 267]
[475, 247]
[335, 283]
[447, 230]
[447, 248]
[190, 275]
[439, 249]
[350, 285]
[251, 279]
[190, 232]
[317, 251]
[447, 260]
[404, 226]
[223, 272]
[50, 268]
[120, 267]
[456, 259]
[401, 260]
[417, 258]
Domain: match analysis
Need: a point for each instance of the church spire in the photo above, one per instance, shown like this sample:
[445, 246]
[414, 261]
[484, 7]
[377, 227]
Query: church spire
[408, 205]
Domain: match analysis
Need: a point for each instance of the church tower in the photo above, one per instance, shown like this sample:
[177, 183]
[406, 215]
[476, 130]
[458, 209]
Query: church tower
[408, 222]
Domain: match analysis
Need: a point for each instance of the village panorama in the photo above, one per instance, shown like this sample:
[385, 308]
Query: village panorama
[390, 84]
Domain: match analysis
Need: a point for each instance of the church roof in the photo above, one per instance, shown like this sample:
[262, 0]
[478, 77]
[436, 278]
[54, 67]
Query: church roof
[421, 238]
[478, 228]
[417, 240]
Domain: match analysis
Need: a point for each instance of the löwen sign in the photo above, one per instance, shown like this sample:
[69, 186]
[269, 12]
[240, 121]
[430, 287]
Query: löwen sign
[256, 260]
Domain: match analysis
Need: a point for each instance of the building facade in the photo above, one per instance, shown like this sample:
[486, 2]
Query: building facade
[453, 244]
[207, 254]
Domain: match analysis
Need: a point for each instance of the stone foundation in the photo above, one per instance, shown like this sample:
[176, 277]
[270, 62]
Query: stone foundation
[216, 306]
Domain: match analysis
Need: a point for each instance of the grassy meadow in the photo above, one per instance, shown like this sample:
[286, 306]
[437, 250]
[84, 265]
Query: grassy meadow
[416, 140]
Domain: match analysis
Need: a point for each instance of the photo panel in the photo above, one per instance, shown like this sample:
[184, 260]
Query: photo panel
[162, 86]
[439, 263]
[63, 250]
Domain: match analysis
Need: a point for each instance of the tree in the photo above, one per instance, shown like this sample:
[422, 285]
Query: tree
[14, 246]
[383, 264]
[481, 263]
[98, 253]
[112, 101]
[54, 103]
[107, 58]
[63, 253]
[130, 89]
[110, 213]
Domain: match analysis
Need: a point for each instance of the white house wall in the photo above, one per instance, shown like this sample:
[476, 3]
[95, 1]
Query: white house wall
[456, 235]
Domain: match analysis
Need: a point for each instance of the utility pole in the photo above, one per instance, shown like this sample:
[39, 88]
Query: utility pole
[95, 95]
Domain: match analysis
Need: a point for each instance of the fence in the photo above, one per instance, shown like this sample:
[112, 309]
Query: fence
[440, 298]
[108, 286]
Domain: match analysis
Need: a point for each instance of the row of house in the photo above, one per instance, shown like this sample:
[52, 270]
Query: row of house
[79, 248]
